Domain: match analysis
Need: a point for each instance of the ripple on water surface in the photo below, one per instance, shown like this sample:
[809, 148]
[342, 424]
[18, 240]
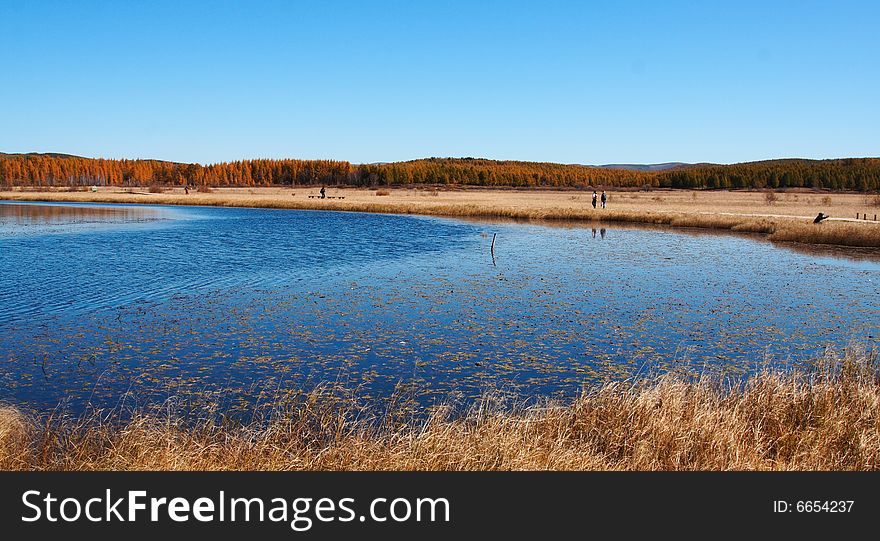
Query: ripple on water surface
[234, 305]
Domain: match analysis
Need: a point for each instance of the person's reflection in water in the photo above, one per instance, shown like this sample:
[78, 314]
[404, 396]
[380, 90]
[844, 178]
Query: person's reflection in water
[594, 232]
[602, 232]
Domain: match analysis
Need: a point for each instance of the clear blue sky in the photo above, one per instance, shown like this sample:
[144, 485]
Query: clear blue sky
[571, 82]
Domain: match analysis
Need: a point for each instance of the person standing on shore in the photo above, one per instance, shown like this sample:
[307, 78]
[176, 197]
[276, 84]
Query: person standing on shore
[604, 198]
[323, 193]
[594, 198]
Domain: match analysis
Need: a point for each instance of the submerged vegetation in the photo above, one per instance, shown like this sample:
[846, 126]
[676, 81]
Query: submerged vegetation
[859, 174]
[826, 418]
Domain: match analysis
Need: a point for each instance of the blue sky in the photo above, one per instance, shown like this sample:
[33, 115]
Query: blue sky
[570, 82]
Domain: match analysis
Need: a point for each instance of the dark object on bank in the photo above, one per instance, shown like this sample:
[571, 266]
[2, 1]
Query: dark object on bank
[819, 218]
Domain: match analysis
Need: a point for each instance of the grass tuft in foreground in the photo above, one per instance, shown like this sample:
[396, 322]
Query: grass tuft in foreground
[822, 419]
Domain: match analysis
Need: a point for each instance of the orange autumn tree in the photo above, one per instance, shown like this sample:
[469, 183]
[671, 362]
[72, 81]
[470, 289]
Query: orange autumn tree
[856, 174]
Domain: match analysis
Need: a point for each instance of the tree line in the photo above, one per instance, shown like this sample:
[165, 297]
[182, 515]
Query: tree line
[63, 170]
[859, 174]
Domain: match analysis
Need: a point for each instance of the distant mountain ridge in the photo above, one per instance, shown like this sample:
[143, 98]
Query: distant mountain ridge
[646, 166]
[63, 156]
[47, 154]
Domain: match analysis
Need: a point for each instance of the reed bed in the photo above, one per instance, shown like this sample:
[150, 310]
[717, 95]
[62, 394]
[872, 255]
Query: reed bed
[778, 228]
[823, 418]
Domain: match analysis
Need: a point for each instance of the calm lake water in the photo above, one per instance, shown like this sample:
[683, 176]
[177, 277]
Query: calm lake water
[108, 305]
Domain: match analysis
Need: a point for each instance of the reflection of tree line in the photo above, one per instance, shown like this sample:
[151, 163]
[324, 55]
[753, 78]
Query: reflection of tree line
[47, 214]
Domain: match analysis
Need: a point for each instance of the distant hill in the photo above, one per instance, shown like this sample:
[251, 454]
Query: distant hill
[47, 154]
[645, 167]
[62, 156]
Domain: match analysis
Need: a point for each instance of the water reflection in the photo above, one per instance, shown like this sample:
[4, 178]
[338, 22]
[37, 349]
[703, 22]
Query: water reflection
[27, 214]
[850, 253]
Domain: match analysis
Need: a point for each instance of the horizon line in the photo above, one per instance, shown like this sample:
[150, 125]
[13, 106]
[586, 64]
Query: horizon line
[599, 165]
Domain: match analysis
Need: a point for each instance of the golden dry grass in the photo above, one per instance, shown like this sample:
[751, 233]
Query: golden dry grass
[15, 431]
[788, 219]
[827, 419]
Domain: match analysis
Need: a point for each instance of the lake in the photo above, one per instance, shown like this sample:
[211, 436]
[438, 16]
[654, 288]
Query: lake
[105, 306]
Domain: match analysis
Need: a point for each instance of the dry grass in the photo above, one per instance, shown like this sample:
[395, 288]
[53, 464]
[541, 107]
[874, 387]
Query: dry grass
[827, 419]
[841, 233]
[791, 219]
[15, 440]
[383, 192]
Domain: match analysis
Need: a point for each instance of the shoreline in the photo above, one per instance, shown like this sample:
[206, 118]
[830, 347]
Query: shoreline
[731, 211]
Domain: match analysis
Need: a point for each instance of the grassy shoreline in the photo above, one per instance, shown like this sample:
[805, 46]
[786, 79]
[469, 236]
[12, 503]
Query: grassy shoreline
[488, 205]
[827, 418]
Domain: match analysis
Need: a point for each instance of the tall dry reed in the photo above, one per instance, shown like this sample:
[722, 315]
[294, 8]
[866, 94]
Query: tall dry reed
[827, 418]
